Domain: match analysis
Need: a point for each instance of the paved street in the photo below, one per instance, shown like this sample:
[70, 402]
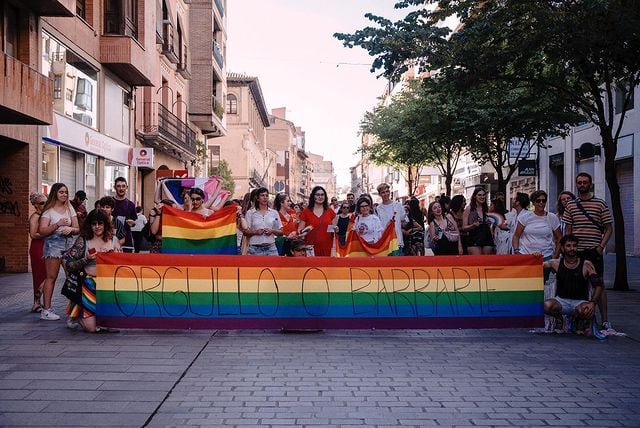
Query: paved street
[53, 376]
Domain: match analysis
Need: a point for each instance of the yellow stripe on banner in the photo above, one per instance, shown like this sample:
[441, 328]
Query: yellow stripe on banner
[173, 281]
[511, 273]
[198, 234]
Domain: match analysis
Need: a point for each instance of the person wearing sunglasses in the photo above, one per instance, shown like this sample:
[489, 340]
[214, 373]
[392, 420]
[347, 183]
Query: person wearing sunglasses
[344, 217]
[367, 225]
[537, 231]
[197, 202]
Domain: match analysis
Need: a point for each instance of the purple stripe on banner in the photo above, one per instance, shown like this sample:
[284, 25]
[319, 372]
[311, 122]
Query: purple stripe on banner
[331, 323]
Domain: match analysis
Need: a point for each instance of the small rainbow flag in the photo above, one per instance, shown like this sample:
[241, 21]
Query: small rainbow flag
[355, 246]
[191, 233]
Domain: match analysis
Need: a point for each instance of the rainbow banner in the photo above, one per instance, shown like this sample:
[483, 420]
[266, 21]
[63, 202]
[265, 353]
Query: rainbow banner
[191, 233]
[237, 292]
[355, 246]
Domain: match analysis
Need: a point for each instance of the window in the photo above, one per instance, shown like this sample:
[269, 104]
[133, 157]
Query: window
[57, 87]
[621, 94]
[121, 17]
[73, 77]
[232, 104]
[81, 9]
[11, 31]
[84, 92]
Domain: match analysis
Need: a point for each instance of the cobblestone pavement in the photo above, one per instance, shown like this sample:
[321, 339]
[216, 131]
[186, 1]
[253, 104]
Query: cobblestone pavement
[53, 376]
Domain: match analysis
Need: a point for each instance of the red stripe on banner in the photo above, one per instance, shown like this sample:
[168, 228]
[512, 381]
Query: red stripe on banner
[132, 259]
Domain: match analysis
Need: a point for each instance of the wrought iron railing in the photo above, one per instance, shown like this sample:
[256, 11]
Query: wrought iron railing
[158, 118]
[217, 54]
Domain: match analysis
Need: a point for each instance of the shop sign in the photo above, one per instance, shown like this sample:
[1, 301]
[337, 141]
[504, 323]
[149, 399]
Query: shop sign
[527, 168]
[141, 156]
[521, 149]
[78, 136]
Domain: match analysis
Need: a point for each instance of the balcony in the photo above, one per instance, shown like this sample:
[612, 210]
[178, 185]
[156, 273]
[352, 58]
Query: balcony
[217, 54]
[26, 96]
[51, 7]
[125, 57]
[170, 45]
[183, 66]
[161, 127]
[217, 107]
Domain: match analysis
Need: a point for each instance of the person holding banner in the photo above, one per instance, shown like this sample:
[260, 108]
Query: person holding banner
[96, 236]
[320, 218]
[155, 222]
[263, 225]
[289, 220]
[196, 196]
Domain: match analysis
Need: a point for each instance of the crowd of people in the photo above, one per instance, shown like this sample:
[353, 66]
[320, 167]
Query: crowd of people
[64, 234]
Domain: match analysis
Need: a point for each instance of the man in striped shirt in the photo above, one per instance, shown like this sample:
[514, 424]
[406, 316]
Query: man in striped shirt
[589, 218]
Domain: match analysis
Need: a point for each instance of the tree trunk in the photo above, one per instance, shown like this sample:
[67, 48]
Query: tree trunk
[621, 280]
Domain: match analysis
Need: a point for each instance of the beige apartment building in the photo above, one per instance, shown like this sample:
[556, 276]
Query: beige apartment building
[323, 174]
[244, 146]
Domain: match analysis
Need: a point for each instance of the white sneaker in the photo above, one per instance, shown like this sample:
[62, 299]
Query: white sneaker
[49, 315]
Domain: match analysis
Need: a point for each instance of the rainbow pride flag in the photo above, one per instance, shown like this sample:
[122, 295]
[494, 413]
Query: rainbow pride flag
[200, 291]
[355, 246]
[191, 233]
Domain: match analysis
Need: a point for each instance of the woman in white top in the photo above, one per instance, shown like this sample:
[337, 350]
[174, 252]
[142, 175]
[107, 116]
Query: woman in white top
[263, 225]
[58, 224]
[537, 231]
[367, 225]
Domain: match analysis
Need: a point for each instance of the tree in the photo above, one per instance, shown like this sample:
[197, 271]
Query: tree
[580, 51]
[224, 172]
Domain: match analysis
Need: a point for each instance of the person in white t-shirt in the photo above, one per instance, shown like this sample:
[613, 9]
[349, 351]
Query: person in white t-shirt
[537, 231]
[388, 209]
[263, 226]
[367, 225]
[58, 224]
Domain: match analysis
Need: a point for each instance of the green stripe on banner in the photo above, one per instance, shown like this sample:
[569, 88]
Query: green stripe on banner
[197, 245]
[311, 298]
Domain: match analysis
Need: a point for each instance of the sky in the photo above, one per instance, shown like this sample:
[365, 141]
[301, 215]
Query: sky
[326, 88]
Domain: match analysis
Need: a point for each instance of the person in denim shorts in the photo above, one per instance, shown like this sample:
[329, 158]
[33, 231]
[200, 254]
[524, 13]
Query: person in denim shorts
[58, 224]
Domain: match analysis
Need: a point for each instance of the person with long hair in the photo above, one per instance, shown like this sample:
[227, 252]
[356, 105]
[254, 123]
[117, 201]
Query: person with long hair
[561, 205]
[443, 231]
[456, 209]
[263, 226]
[367, 225]
[58, 223]
[289, 220]
[344, 218]
[413, 230]
[96, 236]
[474, 222]
[319, 216]
[36, 250]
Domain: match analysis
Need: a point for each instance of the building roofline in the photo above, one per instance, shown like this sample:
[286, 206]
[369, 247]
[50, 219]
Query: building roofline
[254, 87]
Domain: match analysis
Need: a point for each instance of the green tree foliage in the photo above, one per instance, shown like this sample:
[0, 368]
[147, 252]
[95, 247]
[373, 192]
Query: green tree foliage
[414, 131]
[578, 51]
[224, 172]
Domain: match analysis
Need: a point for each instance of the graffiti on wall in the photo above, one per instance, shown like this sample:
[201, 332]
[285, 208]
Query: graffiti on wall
[8, 205]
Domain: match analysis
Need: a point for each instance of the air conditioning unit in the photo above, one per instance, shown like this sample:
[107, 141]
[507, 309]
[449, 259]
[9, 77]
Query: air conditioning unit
[84, 118]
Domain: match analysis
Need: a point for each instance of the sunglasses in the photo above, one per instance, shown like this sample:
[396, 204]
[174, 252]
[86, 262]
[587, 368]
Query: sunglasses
[540, 201]
[196, 199]
[344, 208]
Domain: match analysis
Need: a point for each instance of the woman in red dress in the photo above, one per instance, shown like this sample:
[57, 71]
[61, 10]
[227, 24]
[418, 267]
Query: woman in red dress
[319, 216]
[36, 254]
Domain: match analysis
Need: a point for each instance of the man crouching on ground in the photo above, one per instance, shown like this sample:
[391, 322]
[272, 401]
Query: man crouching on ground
[573, 278]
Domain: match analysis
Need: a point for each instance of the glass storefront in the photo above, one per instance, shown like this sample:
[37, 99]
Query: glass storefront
[112, 171]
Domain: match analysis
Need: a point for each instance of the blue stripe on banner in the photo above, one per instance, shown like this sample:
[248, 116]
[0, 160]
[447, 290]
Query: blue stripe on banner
[249, 311]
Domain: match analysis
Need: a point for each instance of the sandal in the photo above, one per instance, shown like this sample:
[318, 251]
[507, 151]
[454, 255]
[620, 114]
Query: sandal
[37, 307]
